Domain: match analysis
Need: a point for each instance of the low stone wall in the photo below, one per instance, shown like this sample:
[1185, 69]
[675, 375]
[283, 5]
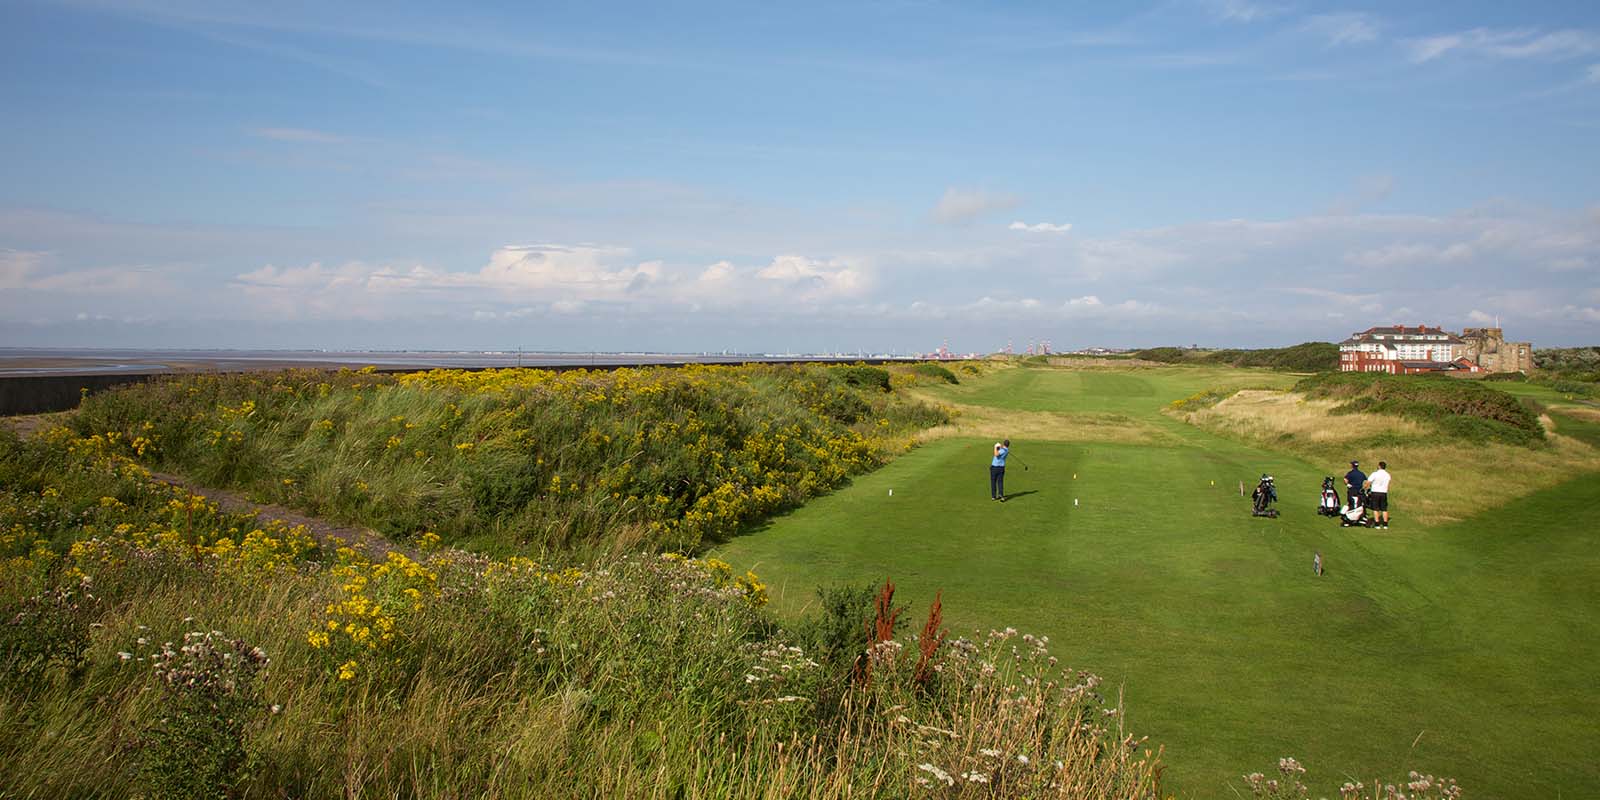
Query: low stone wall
[37, 394]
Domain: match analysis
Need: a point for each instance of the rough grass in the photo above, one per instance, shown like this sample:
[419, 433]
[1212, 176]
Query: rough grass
[603, 462]
[1472, 411]
[1444, 478]
[643, 676]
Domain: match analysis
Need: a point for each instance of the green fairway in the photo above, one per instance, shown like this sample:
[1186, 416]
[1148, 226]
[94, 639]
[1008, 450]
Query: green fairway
[1464, 650]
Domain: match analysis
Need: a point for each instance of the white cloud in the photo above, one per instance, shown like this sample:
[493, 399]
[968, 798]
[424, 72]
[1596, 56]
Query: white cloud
[582, 271]
[1480, 317]
[1584, 314]
[1086, 300]
[555, 279]
[1040, 227]
[22, 269]
[959, 206]
[1406, 254]
[313, 275]
[298, 135]
[1517, 43]
[813, 278]
[1345, 28]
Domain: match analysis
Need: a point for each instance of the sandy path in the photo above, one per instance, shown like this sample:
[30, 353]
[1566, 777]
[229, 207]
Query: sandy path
[327, 534]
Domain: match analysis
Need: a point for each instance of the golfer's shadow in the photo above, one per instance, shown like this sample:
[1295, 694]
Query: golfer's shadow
[1016, 495]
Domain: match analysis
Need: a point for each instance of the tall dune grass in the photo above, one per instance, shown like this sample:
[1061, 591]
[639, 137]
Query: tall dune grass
[602, 462]
[454, 675]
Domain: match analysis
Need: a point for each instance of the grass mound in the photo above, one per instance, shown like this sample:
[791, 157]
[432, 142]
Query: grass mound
[604, 461]
[1467, 410]
[1306, 357]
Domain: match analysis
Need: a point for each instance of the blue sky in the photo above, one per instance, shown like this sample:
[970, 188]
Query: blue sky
[879, 175]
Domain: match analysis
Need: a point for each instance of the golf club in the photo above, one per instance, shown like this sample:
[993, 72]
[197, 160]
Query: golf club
[1023, 463]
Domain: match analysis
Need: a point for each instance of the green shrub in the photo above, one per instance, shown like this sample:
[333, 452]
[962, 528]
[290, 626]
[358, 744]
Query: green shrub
[837, 632]
[211, 698]
[1165, 355]
[44, 631]
[936, 371]
[863, 376]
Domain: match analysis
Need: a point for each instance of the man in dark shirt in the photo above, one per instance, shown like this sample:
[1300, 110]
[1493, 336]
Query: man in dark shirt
[1353, 479]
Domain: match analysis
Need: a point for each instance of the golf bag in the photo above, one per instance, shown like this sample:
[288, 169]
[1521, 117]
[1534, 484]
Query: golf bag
[1329, 505]
[1263, 497]
[1354, 515]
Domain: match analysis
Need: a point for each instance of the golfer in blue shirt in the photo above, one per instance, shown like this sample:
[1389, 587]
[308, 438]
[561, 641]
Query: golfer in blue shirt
[1353, 480]
[997, 471]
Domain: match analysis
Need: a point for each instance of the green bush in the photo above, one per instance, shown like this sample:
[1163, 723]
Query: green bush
[211, 698]
[936, 371]
[863, 376]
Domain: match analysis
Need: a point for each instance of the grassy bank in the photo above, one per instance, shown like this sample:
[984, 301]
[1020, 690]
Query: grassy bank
[598, 462]
[152, 645]
[1471, 411]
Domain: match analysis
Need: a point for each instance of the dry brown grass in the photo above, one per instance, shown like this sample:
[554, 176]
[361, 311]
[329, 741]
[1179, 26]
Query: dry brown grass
[1268, 414]
[1579, 412]
[1436, 480]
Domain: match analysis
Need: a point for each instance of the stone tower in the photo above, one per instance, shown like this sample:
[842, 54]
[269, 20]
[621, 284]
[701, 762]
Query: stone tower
[1488, 348]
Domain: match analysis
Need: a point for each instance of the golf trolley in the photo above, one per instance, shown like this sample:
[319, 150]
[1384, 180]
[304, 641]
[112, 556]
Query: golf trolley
[1263, 497]
[1354, 515]
[1328, 506]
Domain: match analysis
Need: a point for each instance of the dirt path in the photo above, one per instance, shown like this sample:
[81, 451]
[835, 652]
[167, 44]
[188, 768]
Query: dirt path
[28, 424]
[328, 534]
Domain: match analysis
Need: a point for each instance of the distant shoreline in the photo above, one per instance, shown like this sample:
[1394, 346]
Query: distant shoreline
[17, 362]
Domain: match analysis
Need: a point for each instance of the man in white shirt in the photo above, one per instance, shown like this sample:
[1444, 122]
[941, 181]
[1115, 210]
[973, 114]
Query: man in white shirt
[1378, 495]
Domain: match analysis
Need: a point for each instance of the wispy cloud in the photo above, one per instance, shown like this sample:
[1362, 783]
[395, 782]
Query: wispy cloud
[1243, 10]
[1345, 28]
[301, 135]
[1040, 227]
[960, 206]
[363, 21]
[1367, 191]
[1516, 43]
